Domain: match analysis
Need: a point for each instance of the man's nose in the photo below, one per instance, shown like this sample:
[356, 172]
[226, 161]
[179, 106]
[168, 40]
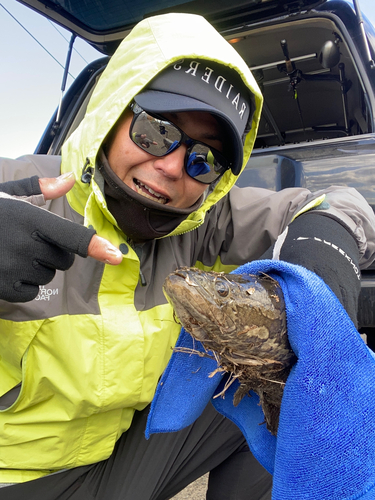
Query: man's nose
[172, 165]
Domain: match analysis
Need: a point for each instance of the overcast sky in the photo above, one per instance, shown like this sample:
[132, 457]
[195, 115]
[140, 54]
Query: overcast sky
[30, 79]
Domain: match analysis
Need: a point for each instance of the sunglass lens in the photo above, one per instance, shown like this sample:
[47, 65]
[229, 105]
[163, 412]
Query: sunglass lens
[155, 136]
[202, 165]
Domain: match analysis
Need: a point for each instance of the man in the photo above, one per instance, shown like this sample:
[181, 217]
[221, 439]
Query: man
[155, 158]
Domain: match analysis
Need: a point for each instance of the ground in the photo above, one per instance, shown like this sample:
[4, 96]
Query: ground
[195, 491]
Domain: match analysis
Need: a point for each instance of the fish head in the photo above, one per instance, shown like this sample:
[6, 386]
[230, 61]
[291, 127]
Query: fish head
[215, 308]
[197, 301]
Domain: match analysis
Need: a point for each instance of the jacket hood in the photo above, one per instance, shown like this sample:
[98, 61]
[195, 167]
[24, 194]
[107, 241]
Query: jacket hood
[141, 56]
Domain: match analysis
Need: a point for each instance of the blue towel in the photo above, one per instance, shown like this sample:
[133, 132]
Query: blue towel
[325, 446]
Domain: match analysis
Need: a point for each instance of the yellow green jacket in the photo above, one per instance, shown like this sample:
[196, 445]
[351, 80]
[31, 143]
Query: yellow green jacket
[76, 362]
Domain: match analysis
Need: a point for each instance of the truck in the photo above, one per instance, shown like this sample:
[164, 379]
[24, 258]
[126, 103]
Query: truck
[314, 63]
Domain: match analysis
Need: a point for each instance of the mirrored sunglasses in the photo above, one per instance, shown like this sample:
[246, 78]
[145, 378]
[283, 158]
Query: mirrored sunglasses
[159, 137]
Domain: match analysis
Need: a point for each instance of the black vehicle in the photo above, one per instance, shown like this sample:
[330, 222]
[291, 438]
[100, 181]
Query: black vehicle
[314, 63]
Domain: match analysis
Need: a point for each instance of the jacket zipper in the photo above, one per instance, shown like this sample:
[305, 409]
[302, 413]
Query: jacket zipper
[138, 250]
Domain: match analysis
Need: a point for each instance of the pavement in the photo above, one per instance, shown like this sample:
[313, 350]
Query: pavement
[195, 491]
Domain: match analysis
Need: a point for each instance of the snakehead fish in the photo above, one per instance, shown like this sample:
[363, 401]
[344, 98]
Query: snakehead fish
[241, 322]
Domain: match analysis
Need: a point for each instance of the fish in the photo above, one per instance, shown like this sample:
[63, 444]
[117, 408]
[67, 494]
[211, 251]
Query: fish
[241, 322]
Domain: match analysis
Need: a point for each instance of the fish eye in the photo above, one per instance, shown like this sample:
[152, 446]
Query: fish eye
[222, 287]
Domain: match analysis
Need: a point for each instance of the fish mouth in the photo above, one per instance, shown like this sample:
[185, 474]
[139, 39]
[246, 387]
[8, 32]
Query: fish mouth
[187, 302]
[196, 311]
[148, 192]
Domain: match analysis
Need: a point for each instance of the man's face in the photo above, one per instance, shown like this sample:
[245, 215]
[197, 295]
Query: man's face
[162, 179]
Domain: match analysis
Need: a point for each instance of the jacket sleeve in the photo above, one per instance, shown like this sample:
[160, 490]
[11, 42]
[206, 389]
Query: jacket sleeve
[248, 221]
[29, 166]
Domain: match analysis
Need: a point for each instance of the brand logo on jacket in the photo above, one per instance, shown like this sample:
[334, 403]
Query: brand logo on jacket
[46, 293]
[335, 247]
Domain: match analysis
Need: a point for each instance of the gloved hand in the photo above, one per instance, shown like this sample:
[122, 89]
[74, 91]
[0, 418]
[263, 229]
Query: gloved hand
[24, 187]
[323, 245]
[35, 242]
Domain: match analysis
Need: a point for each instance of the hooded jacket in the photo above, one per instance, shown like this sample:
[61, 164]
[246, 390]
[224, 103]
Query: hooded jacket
[77, 361]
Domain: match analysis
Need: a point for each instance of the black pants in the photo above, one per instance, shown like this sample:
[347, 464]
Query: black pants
[158, 468]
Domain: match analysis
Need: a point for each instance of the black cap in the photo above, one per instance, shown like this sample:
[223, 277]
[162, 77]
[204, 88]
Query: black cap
[199, 85]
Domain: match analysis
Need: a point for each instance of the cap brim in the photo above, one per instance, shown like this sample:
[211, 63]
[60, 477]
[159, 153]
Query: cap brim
[154, 101]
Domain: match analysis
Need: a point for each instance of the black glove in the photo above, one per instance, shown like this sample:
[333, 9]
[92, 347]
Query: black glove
[323, 245]
[34, 243]
[24, 187]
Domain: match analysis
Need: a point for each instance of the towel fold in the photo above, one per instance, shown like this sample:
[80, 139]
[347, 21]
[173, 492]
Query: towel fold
[325, 446]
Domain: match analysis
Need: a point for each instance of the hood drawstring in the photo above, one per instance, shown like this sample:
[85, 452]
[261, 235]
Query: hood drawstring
[87, 172]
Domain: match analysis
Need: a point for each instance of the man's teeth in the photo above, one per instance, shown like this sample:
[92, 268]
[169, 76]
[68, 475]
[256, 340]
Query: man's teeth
[147, 192]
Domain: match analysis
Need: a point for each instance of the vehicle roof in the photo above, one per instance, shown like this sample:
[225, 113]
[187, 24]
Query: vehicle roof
[104, 23]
